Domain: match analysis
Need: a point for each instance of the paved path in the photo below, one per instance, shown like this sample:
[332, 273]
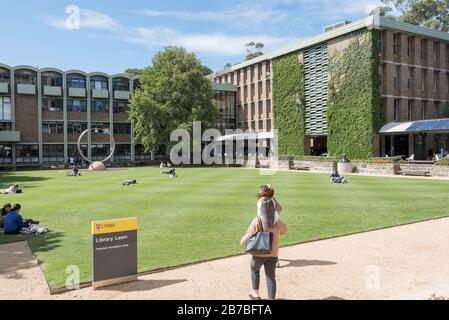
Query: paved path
[407, 262]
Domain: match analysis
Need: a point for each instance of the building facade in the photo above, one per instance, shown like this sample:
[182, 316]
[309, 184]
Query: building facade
[412, 85]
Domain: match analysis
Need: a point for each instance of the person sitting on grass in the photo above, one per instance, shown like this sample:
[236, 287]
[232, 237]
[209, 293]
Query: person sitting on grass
[171, 173]
[11, 189]
[129, 182]
[162, 166]
[7, 208]
[13, 221]
[337, 178]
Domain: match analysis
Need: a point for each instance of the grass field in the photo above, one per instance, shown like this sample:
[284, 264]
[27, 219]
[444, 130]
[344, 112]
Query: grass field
[202, 214]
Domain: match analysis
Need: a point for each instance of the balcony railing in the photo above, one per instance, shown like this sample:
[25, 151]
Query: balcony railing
[28, 89]
[52, 91]
[77, 92]
[100, 94]
[9, 136]
[4, 87]
[121, 95]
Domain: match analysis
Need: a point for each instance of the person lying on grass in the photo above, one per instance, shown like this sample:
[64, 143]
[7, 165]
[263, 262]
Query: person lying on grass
[129, 182]
[11, 189]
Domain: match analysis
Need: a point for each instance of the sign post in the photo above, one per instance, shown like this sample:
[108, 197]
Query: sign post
[114, 252]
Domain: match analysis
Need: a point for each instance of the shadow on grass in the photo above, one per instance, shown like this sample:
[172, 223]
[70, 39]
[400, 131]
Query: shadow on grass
[305, 263]
[45, 242]
[8, 179]
[143, 285]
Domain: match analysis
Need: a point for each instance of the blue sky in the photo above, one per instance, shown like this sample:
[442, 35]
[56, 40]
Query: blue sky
[114, 35]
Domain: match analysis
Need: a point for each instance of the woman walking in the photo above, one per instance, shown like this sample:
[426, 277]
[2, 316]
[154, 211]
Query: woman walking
[268, 215]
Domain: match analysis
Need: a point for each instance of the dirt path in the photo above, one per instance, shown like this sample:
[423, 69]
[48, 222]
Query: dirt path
[408, 262]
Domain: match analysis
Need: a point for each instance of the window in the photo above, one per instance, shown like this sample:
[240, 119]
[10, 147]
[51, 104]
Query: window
[447, 82]
[122, 152]
[396, 76]
[52, 79]
[423, 49]
[5, 126]
[5, 153]
[53, 152]
[423, 110]
[140, 153]
[269, 108]
[436, 110]
[121, 84]
[410, 110]
[52, 127]
[76, 128]
[396, 43]
[121, 107]
[52, 105]
[409, 77]
[76, 105]
[396, 109]
[100, 151]
[99, 83]
[423, 80]
[76, 81]
[25, 77]
[268, 88]
[446, 53]
[100, 125]
[5, 108]
[122, 128]
[410, 41]
[5, 76]
[436, 52]
[72, 150]
[100, 106]
[27, 153]
[436, 81]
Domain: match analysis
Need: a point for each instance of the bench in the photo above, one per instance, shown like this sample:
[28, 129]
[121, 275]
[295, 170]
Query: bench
[415, 173]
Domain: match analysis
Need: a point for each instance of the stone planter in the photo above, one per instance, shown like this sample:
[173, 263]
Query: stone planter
[345, 167]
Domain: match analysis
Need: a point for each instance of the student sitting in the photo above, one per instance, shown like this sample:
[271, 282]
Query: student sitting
[171, 173]
[129, 182]
[11, 189]
[7, 208]
[13, 221]
[162, 166]
[337, 178]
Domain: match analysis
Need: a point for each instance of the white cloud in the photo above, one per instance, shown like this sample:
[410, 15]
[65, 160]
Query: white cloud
[219, 44]
[88, 19]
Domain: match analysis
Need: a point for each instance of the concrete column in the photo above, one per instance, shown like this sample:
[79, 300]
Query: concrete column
[39, 114]
[89, 115]
[64, 111]
[13, 116]
[133, 147]
[111, 110]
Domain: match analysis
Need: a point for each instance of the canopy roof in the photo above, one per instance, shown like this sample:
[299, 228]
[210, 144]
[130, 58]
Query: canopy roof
[247, 136]
[435, 126]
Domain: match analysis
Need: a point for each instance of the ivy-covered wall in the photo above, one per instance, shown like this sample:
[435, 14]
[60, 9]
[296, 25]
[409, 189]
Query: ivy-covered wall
[353, 112]
[289, 104]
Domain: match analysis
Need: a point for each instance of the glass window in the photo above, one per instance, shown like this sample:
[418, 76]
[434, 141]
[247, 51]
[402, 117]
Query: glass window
[72, 150]
[100, 106]
[121, 107]
[122, 152]
[52, 105]
[396, 110]
[76, 105]
[100, 151]
[5, 126]
[5, 76]
[5, 153]
[52, 127]
[122, 128]
[5, 108]
[396, 43]
[25, 77]
[410, 110]
[76, 81]
[53, 152]
[76, 128]
[27, 153]
[120, 84]
[99, 83]
[52, 79]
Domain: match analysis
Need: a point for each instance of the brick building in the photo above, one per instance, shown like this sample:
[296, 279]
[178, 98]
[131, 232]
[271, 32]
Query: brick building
[413, 76]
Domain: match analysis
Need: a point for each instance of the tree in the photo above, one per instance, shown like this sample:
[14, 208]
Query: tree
[173, 94]
[134, 71]
[228, 66]
[432, 14]
[207, 71]
[254, 50]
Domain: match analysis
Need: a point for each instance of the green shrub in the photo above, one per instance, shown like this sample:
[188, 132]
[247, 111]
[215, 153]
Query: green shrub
[289, 104]
[353, 113]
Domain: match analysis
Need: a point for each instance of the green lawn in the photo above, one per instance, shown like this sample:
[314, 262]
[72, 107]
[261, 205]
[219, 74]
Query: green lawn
[202, 214]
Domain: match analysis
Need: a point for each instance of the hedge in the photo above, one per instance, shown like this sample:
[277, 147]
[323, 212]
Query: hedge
[354, 99]
[289, 104]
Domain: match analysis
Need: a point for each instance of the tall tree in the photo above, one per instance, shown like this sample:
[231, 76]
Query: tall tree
[254, 50]
[134, 71]
[173, 94]
[432, 14]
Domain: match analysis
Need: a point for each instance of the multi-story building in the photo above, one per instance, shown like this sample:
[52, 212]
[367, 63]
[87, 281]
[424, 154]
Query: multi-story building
[44, 111]
[413, 82]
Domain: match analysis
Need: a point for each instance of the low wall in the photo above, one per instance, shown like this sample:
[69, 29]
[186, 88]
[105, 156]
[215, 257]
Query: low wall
[373, 168]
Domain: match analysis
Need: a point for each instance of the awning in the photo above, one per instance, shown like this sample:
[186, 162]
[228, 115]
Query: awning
[248, 136]
[434, 126]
